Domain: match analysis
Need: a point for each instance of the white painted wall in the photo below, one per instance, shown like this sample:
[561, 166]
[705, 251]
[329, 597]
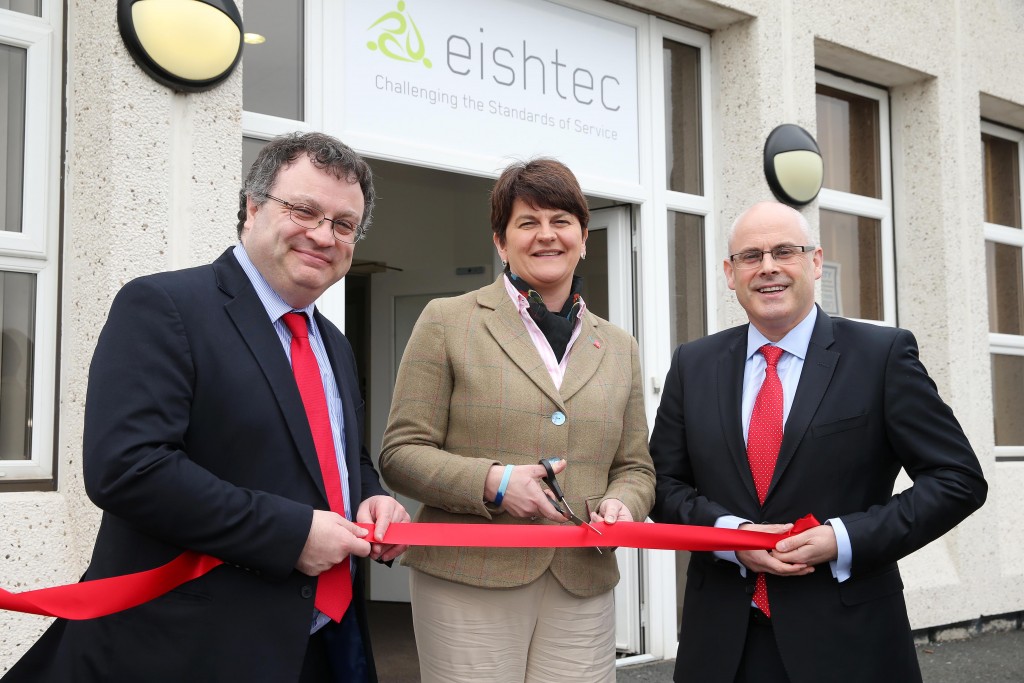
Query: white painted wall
[151, 183]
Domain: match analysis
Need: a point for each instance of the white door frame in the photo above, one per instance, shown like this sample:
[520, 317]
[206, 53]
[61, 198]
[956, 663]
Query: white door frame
[628, 595]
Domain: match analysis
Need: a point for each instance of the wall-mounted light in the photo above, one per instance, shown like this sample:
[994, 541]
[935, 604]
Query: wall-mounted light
[793, 165]
[188, 45]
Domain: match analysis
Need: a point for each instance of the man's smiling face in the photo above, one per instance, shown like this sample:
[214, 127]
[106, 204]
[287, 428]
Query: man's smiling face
[776, 296]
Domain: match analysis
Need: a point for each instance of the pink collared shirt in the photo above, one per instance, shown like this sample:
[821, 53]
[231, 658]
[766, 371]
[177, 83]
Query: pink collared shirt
[555, 368]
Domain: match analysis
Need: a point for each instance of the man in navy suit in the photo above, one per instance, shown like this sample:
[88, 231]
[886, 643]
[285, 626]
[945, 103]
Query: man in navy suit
[856, 406]
[196, 438]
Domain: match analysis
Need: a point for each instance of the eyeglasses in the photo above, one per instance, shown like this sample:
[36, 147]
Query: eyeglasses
[311, 219]
[752, 258]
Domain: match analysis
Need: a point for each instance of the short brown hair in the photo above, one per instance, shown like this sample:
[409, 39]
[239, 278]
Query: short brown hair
[543, 184]
[325, 152]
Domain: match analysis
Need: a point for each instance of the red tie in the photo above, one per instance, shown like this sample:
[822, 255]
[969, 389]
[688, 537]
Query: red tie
[334, 587]
[764, 439]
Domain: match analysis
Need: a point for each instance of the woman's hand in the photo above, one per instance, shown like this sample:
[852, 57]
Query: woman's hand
[610, 511]
[524, 496]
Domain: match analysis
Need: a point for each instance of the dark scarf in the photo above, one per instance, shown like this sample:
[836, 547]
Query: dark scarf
[557, 327]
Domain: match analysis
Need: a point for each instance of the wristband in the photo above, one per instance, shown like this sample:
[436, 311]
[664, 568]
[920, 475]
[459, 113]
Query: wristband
[503, 485]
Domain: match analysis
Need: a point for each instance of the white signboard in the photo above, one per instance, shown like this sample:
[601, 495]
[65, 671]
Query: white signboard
[473, 85]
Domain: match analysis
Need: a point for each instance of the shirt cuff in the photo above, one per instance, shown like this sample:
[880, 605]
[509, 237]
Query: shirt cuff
[844, 562]
[730, 522]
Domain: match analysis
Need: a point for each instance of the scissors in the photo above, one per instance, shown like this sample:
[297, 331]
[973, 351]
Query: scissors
[552, 483]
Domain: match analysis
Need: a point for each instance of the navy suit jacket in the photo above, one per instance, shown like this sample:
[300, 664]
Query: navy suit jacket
[196, 438]
[864, 408]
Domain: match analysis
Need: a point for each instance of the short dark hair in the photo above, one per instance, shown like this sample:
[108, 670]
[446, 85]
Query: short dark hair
[542, 183]
[325, 152]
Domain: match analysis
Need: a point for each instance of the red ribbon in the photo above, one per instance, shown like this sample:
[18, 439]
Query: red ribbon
[91, 599]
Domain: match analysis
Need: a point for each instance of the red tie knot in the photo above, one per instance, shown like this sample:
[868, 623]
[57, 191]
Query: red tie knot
[771, 354]
[296, 322]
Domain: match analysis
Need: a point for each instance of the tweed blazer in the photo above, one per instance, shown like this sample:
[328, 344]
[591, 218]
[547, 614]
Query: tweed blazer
[472, 392]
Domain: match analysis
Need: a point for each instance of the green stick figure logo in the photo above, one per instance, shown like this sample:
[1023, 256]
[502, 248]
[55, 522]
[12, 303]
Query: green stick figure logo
[394, 27]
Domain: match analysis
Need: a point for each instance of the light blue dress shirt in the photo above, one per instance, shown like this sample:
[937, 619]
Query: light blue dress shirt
[791, 364]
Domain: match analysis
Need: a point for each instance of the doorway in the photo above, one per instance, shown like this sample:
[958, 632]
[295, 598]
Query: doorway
[431, 237]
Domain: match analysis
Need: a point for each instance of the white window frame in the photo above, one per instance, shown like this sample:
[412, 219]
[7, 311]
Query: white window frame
[654, 279]
[34, 250]
[880, 209]
[665, 199]
[1007, 344]
[265, 126]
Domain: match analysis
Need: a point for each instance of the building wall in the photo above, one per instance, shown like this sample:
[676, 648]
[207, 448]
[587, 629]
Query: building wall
[152, 177]
[151, 183]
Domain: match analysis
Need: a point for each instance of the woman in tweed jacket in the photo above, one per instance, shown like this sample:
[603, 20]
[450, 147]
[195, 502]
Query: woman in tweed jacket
[491, 382]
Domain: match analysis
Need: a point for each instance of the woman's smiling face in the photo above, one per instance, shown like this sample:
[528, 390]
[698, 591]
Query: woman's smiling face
[543, 247]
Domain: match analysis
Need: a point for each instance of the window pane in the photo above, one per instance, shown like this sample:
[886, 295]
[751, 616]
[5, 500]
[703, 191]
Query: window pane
[1002, 180]
[682, 118]
[686, 277]
[1005, 279]
[848, 136]
[273, 71]
[250, 150]
[34, 7]
[1007, 397]
[16, 363]
[852, 265]
[12, 135]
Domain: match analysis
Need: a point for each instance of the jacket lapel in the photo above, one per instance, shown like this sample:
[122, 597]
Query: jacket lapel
[730, 405]
[819, 366]
[250, 318]
[584, 359]
[506, 327]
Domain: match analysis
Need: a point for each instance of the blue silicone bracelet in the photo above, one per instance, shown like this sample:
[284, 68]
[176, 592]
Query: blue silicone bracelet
[503, 485]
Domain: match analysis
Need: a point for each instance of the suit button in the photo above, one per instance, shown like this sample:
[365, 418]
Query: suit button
[558, 418]
[307, 592]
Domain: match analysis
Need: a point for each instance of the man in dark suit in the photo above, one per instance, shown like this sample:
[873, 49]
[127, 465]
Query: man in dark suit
[196, 438]
[846, 405]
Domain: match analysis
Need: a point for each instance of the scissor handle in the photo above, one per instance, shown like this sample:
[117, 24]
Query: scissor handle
[552, 483]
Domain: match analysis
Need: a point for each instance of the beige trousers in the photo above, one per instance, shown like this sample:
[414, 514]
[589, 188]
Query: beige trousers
[537, 633]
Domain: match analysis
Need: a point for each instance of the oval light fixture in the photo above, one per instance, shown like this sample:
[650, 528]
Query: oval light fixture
[793, 165]
[187, 45]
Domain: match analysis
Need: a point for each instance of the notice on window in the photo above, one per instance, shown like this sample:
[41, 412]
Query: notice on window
[831, 301]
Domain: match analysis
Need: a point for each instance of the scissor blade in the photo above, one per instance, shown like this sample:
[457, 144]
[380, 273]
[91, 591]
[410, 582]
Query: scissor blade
[579, 522]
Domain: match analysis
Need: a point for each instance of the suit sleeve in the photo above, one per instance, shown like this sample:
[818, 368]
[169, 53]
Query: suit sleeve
[932, 448]
[136, 463]
[413, 460]
[677, 499]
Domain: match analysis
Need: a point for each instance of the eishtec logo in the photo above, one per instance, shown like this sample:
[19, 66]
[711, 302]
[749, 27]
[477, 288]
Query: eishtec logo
[396, 26]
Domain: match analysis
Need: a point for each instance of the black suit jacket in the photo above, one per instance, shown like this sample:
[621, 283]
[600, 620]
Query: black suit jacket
[864, 408]
[196, 438]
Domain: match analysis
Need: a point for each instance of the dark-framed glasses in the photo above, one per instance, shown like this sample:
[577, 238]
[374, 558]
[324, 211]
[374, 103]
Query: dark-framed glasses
[311, 219]
[783, 254]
